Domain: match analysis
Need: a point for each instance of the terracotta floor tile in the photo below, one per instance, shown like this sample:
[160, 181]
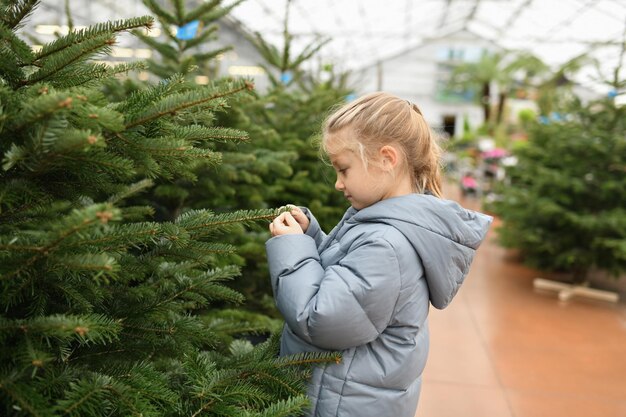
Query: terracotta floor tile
[575, 371]
[457, 353]
[536, 404]
[459, 400]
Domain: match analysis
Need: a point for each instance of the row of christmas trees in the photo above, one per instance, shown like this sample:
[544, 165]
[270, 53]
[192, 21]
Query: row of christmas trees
[115, 197]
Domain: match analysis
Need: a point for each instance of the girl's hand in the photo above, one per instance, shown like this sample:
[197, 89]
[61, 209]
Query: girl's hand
[300, 217]
[285, 224]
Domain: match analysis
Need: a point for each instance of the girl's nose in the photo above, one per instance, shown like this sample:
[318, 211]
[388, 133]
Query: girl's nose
[339, 185]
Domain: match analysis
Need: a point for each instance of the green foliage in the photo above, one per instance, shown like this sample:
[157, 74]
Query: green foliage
[564, 206]
[185, 56]
[526, 116]
[284, 124]
[278, 163]
[105, 311]
[283, 61]
[295, 110]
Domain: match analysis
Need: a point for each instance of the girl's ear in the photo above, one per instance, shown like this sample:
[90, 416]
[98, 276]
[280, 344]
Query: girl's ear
[389, 157]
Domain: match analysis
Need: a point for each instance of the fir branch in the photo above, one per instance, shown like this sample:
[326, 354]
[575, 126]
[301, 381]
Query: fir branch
[74, 223]
[104, 264]
[197, 133]
[175, 331]
[179, 9]
[307, 358]
[77, 297]
[68, 14]
[89, 73]
[208, 34]
[130, 190]
[73, 54]
[212, 54]
[143, 377]
[268, 377]
[88, 161]
[142, 98]
[86, 396]
[17, 51]
[89, 328]
[39, 108]
[185, 100]
[234, 321]
[202, 285]
[16, 11]
[26, 397]
[195, 251]
[284, 408]
[122, 236]
[309, 50]
[106, 30]
[268, 51]
[125, 67]
[171, 147]
[164, 49]
[216, 13]
[203, 221]
[201, 11]
[161, 13]
[44, 138]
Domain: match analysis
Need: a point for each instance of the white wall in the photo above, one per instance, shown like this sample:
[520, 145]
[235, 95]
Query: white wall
[413, 75]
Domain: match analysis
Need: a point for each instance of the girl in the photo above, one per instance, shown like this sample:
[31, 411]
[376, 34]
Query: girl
[365, 288]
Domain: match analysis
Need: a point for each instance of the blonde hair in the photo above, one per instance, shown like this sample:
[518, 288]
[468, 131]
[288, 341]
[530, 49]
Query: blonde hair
[380, 119]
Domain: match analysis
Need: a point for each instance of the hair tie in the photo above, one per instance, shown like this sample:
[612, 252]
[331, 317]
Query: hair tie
[414, 107]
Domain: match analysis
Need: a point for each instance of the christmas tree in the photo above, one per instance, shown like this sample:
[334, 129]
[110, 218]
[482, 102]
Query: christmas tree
[290, 114]
[295, 107]
[279, 163]
[564, 204]
[246, 177]
[187, 32]
[100, 302]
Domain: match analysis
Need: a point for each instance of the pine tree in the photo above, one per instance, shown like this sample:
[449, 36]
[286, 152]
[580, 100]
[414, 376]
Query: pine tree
[185, 50]
[564, 207]
[292, 111]
[244, 168]
[99, 302]
[295, 107]
[246, 177]
[279, 163]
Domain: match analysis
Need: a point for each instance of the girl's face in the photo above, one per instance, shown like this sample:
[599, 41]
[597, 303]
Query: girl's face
[361, 185]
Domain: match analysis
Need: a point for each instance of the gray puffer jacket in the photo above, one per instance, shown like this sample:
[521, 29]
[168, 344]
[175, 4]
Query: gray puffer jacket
[365, 290]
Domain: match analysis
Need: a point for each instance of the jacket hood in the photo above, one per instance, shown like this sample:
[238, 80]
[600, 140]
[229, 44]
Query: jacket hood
[444, 235]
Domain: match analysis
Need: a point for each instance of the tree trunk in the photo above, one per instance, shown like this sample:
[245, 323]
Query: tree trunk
[501, 102]
[486, 102]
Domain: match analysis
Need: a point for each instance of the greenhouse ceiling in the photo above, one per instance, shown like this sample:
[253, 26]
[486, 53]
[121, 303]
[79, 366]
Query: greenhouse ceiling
[362, 32]
[365, 31]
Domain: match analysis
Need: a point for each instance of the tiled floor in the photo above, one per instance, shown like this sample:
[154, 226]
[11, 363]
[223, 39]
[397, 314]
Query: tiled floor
[504, 350]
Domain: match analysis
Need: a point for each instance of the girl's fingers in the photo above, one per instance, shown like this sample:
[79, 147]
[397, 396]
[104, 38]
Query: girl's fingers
[289, 219]
[279, 222]
[285, 224]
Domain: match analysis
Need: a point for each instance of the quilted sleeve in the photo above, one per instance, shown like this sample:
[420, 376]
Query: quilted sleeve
[346, 305]
[314, 230]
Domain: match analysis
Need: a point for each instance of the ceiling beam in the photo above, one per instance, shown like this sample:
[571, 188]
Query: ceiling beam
[514, 16]
[471, 14]
[444, 14]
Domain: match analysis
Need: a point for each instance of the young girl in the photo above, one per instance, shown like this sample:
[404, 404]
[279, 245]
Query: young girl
[365, 288]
